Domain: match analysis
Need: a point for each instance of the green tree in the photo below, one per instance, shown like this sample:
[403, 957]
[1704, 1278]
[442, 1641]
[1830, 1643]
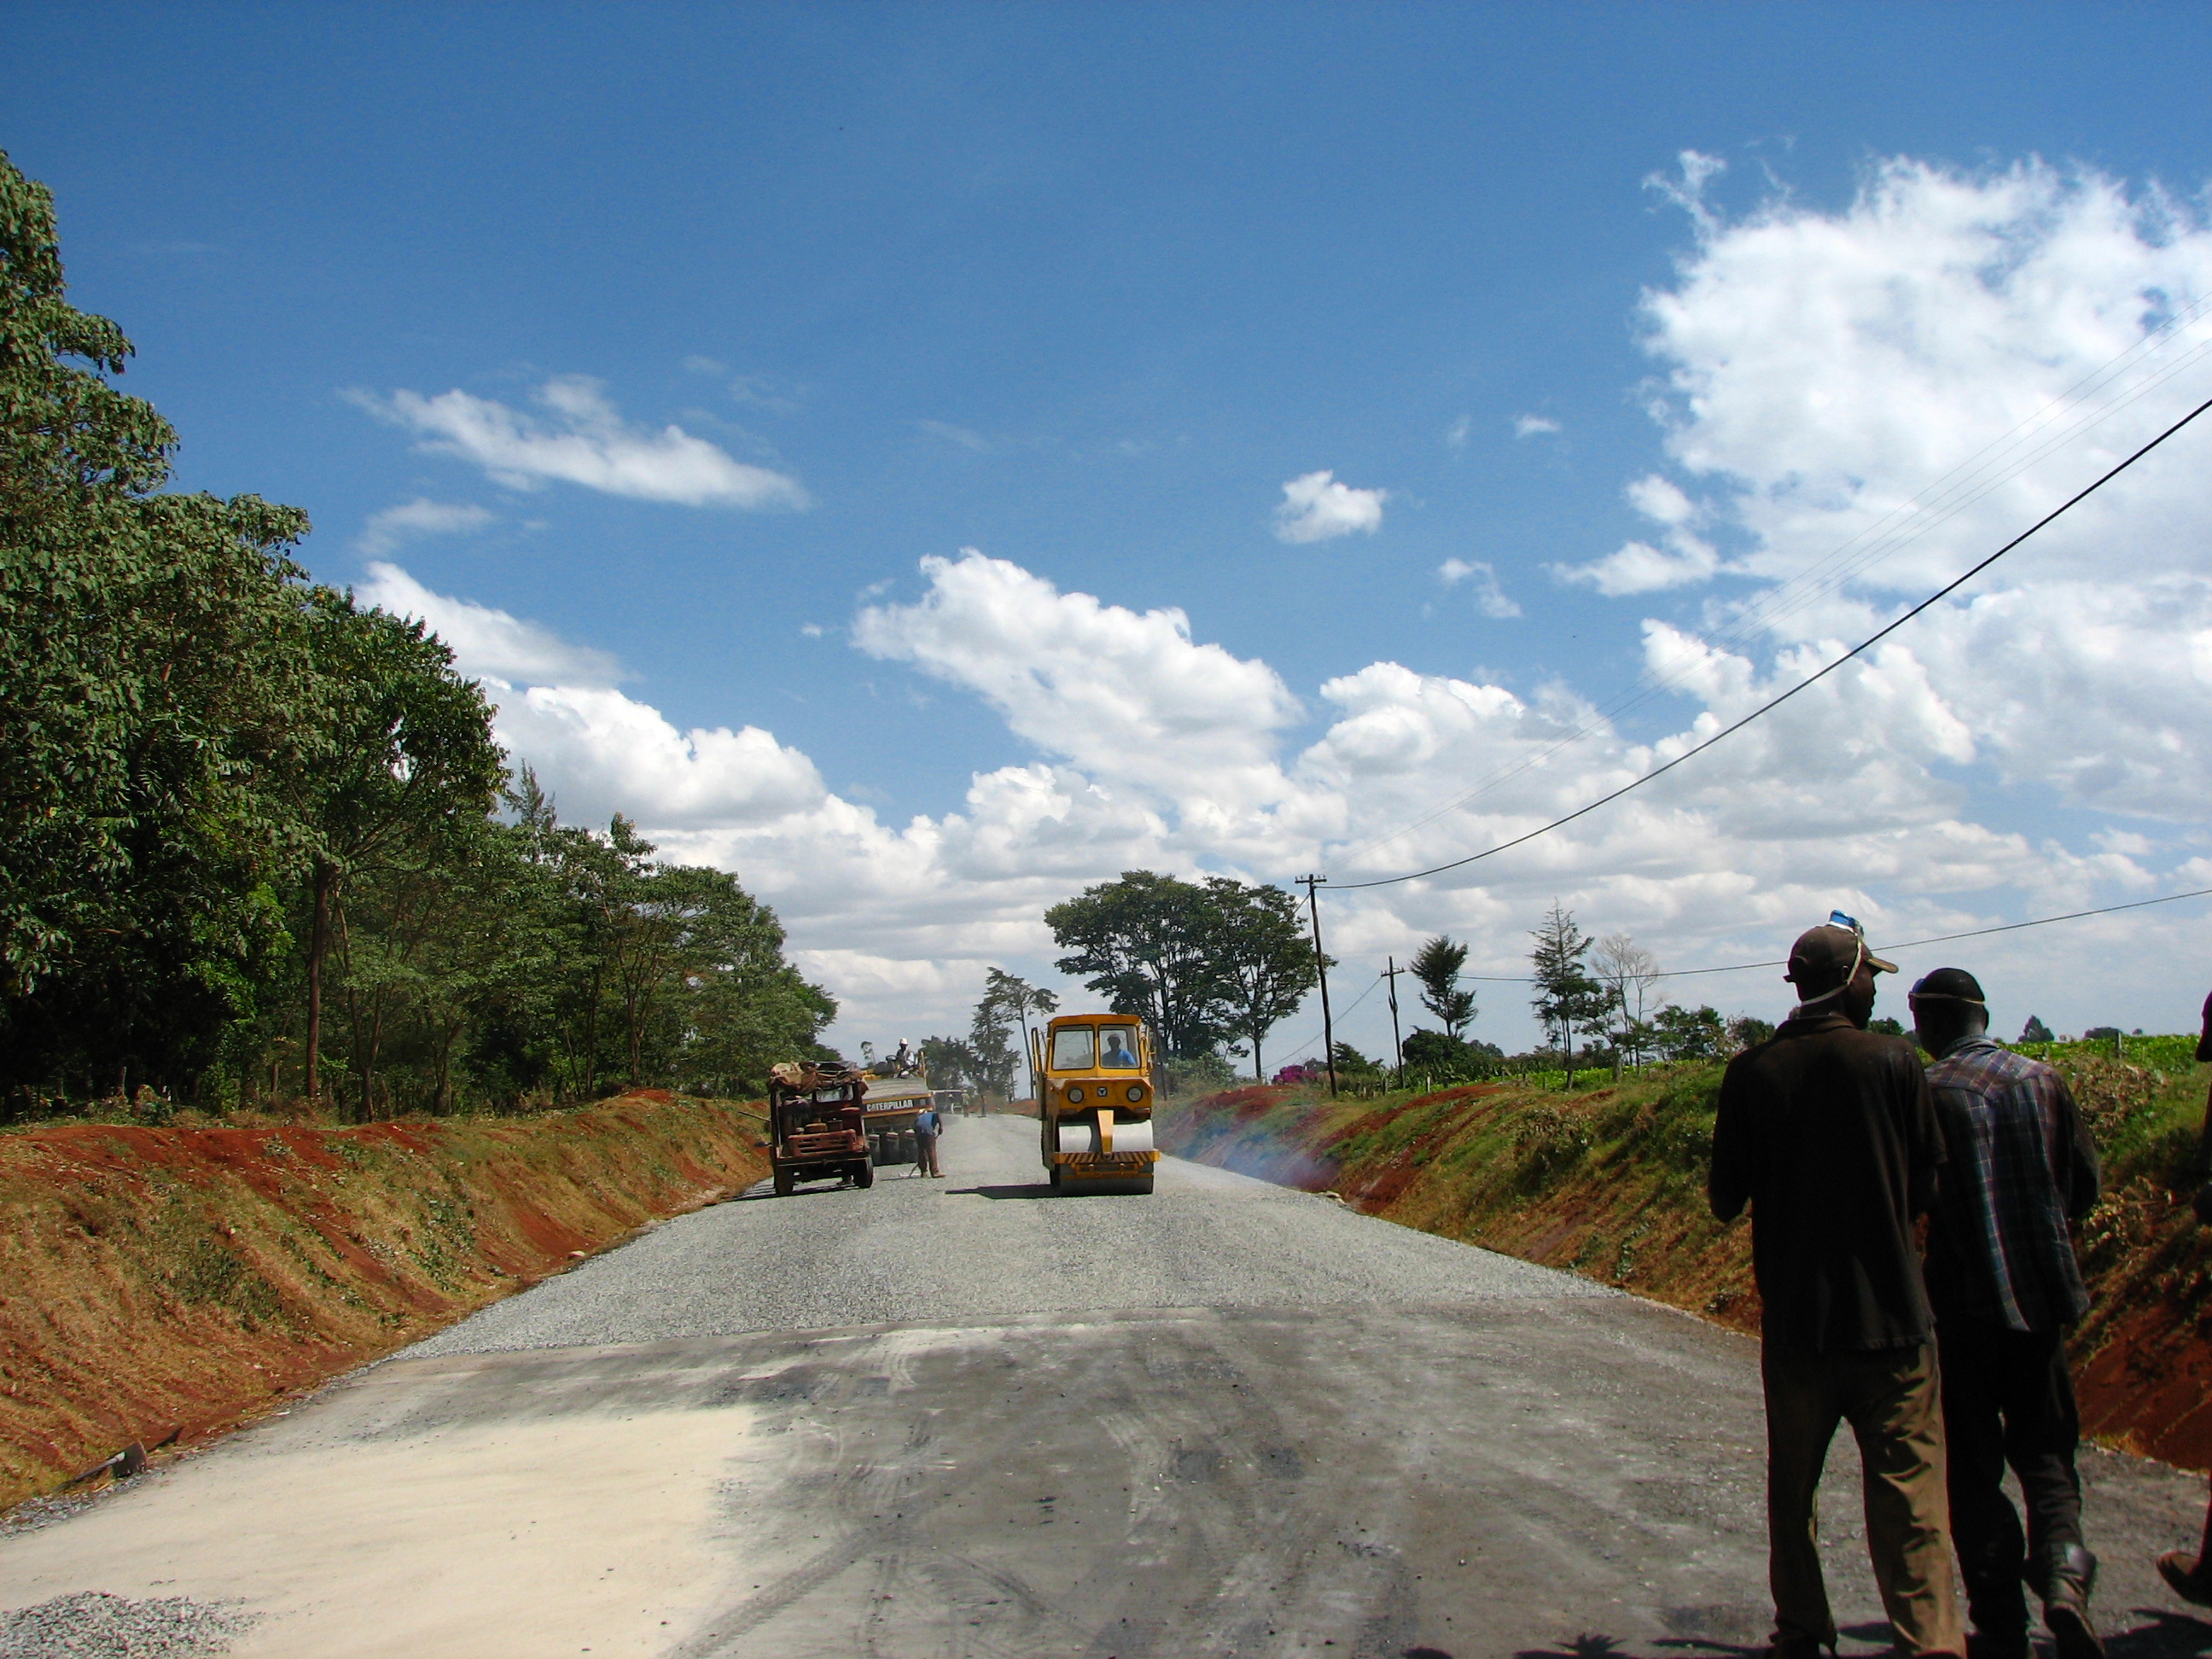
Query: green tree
[406, 745]
[1444, 1059]
[1690, 1033]
[991, 1057]
[1009, 997]
[1142, 941]
[1262, 961]
[1568, 999]
[2036, 1031]
[1435, 967]
[156, 687]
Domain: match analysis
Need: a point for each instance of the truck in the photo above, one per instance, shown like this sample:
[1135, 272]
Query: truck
[816, 1115]
[893, 1103]
[1095, 1095]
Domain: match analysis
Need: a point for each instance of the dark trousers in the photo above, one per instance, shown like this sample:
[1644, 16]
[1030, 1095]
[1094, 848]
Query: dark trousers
[2008, 1399]
[1889, 1397]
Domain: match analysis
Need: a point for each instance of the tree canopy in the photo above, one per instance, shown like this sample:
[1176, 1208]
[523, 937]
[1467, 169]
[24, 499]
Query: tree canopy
[257, 842]
[1202, 963]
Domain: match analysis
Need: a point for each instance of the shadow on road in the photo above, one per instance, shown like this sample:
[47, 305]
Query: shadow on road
[2159, 1634]
[1027, 1189]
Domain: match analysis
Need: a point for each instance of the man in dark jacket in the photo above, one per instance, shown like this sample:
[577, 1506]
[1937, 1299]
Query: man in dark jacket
[1828, 1131]
[2191, 1576]
[2005, 1287]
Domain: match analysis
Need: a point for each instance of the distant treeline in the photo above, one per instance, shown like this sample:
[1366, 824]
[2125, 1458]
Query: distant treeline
[256, 841]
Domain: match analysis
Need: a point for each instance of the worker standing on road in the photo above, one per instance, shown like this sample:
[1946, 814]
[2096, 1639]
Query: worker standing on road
[925, 1125]
[2005, 1286]
[2190, 1578]
[1828, 1130]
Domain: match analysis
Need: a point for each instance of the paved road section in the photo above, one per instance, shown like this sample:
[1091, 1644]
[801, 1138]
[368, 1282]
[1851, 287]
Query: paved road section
[989, 1239]
[966, 1417]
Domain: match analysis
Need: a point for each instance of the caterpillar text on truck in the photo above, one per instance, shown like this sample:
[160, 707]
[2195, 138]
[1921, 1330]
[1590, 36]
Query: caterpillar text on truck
[1095, 1101]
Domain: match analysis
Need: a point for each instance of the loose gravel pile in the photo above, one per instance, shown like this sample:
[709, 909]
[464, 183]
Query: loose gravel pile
[93, 1625]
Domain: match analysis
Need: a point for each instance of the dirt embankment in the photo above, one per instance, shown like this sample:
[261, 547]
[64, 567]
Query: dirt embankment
[1611, 1183]
[161, 1281]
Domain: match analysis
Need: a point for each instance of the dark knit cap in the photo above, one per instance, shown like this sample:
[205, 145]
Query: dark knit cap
[1949, 985]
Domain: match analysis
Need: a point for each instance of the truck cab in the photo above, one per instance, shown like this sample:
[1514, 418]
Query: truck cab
[1095, 1091]
[815, 1122]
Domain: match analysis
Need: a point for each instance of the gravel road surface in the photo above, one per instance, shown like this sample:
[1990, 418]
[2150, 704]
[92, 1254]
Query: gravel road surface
[970, 1417]
[990, 1239]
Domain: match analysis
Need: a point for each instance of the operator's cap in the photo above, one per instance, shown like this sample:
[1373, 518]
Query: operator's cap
[1949, 985]
[1832, 953]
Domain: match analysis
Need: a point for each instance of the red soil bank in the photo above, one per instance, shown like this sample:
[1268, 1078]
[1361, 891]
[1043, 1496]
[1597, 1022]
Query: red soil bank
[161, 1281]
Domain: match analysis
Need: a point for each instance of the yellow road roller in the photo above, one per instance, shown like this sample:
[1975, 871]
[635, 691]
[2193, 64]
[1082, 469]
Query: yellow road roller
[1096, 1092]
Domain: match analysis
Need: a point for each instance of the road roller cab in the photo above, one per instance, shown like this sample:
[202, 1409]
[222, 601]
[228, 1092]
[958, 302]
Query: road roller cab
[1095, 1095]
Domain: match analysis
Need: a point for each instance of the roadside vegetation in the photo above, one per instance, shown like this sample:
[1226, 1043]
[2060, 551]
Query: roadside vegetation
[1609, 1181]
[258, 848]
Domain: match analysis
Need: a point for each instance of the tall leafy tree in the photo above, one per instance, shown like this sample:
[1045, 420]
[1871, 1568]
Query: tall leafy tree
[1008, 996]
[1262, 961]
[1436, 968]
[1568, 999]
[154, 685]
[1142, 941]
[406, 745]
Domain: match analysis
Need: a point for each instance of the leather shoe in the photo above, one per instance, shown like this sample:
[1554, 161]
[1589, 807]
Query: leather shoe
[2069, 1575]
[2185, 1577]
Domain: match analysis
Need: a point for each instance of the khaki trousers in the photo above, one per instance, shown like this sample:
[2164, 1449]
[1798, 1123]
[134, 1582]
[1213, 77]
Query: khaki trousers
[1891, 1399]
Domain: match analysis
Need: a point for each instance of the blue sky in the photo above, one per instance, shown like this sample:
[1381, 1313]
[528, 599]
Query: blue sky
[1085, 287]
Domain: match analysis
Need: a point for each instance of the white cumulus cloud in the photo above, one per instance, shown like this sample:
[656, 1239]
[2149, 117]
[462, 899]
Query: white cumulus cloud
[1531, 426]
[488, 643]
[1316, 507]
[1817, 370]
[578, 437]
[1125, 694]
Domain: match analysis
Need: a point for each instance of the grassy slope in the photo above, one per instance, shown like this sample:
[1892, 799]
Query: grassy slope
[160, 1280]
[1610, 1182]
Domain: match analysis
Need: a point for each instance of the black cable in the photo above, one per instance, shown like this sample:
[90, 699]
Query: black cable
[1872, 640]
[1909, 945]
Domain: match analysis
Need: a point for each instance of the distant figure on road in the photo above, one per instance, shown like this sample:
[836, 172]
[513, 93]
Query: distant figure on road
[2191, 1578]
[1828, 1130]
[925, 1125]
[2005, 1286]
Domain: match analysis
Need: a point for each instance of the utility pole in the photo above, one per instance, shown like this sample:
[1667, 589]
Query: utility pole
[1397, 1044]
[1321, 966]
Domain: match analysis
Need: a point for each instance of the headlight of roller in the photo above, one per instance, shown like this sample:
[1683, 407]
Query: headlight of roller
[1136, 1092]
[1075, 1096]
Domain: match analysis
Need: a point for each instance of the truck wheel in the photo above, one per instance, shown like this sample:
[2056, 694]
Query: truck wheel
[784, 1183]
[906, 1153]
[864, 1174]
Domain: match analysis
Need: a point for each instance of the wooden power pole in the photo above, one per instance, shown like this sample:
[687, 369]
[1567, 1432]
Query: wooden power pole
[1321, 966]
[1397, 1044]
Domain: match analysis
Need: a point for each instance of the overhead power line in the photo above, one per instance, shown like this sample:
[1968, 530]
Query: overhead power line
[1995, 463]
[1741, 967]
[1773, 703]
[1908, 944]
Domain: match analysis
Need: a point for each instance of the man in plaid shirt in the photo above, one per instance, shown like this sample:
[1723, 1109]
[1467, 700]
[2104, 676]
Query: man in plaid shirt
[2004, 1286]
